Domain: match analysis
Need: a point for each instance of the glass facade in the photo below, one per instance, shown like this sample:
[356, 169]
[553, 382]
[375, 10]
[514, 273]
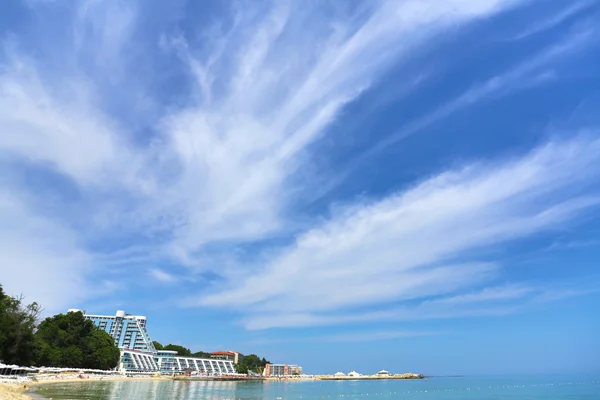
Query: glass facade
[133, 361]
[169, 362]
[129, 331]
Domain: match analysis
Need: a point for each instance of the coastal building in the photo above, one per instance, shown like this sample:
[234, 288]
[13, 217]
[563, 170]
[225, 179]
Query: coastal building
[169, 361]
[128, 331]
[227, 355]
[137, 361]
[383, 372]
[138, 354]
[354, 374]
[282, 370]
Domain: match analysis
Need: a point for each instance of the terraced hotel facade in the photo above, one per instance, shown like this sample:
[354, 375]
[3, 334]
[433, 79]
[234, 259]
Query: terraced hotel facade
[138, 354]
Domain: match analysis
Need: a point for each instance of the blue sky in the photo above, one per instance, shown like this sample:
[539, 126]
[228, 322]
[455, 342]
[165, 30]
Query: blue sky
[408, 185]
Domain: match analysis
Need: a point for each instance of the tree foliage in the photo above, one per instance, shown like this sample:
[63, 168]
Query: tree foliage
[70, 340]
[251, 362]
[181, 351]
[157, 345]
[17, 326]
[202, 354]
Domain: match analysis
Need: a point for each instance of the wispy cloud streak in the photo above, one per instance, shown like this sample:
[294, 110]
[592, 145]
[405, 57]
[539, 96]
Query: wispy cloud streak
[240, 146]
[529, 73]
[402, 247]
[556, 19]
[223, 149]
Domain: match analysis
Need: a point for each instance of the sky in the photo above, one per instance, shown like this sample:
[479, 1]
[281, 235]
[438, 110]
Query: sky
[346, 185]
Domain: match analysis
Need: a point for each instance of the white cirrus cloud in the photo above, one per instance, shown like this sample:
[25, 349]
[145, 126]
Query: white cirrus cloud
[40, 126]
[554, 20]
[359, 336]
[217, 168]
[221, 166]
[405, 246]
[161, 275]
[254, 118]
[535, 70]
[41, 259]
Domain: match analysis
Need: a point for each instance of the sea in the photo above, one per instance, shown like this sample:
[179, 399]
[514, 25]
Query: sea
[531, 387]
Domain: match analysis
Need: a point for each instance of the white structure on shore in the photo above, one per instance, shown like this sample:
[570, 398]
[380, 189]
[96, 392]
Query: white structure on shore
[138, 354]
[354, 374]
[169, 360]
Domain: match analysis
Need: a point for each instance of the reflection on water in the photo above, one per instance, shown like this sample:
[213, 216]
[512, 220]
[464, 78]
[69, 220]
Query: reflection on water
[463, 388]
[110, 390]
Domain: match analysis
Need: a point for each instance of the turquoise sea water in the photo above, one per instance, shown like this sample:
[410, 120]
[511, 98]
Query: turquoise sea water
[476, 388]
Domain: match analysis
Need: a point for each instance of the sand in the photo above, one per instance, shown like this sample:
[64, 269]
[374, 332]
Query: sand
[18, 390]
[12, 391]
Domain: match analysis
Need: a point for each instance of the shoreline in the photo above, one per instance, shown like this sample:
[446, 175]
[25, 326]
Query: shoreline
[26, 389]
[303, 378]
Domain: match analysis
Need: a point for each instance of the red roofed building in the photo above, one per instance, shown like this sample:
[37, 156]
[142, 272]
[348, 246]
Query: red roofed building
[227, 355]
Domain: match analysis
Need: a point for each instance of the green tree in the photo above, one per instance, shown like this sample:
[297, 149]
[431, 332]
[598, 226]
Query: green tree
[251, 362]
[17, 326]
[241, 368]
[70, 340]
[202, 354]
[3, 321]
[181, 351]
[157, 345]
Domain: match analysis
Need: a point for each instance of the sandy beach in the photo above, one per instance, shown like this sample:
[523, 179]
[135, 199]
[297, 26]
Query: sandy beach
[12, 391]
[19, 390]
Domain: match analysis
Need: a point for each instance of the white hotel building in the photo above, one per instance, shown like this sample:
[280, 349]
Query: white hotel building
[138, 354]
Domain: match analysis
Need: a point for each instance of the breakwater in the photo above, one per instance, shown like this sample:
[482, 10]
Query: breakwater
[369, 377]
